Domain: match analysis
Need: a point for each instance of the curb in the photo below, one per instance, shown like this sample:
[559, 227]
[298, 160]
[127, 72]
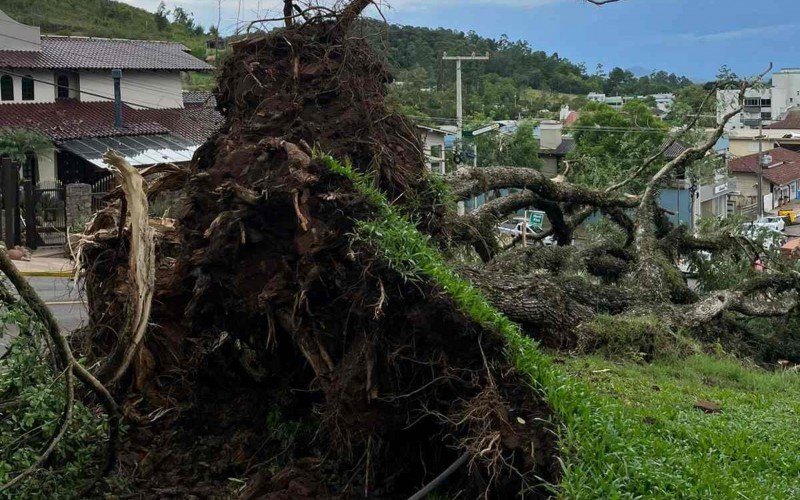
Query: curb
[48, 274]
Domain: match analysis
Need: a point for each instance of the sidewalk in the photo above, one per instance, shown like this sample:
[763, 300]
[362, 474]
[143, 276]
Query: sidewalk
[46, 262]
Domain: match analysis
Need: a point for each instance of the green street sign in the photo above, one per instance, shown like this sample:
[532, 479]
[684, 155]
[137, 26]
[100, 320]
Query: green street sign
[536, 220]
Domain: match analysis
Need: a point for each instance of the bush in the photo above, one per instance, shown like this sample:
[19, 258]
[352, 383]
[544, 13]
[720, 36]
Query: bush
[639, 338]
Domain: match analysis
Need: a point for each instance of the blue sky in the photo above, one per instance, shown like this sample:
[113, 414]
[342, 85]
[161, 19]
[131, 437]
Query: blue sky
[689, 37]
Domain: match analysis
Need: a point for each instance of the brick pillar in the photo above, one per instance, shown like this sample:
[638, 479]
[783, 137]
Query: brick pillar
[78, 205]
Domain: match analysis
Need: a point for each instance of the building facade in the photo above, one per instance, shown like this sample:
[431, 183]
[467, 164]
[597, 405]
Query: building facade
[762, 105]
[63, 88]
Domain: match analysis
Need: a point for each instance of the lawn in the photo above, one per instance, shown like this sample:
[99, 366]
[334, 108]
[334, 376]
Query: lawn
[660, 446]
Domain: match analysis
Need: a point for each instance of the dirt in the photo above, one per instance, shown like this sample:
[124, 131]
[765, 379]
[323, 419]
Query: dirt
[286, 359]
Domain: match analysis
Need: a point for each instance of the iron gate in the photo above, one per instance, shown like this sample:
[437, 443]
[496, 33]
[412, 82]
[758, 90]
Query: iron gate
[47, 212]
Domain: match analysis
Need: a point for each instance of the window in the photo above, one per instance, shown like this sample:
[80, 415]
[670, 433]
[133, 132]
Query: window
[6, 88]
[27, 88]
[62, 87]
[752, 101]
[766, 102]
[766, 116]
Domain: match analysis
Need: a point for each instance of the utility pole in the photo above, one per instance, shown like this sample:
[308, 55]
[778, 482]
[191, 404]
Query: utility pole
[760, 169]
[459, 94]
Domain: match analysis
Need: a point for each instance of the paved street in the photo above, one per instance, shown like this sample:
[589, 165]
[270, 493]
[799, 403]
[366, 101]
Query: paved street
[62, 298]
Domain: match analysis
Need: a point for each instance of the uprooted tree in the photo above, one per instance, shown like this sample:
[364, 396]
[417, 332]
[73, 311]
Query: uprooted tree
[286, 329]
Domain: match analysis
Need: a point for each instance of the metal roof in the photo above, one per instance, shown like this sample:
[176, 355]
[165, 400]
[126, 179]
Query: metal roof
[138, 150]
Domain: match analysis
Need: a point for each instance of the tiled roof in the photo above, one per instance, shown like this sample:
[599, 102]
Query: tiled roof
[674, 150]
[66, 120]
[199, 97]
[786, 169]
[566, 146]
[571, 118]
[749, 163]
[59, 52]
[791, 121]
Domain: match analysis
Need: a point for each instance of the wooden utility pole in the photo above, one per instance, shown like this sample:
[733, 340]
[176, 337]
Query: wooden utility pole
[459, 92]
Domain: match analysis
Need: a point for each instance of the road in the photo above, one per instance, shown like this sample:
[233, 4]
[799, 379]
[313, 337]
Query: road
[62, 297]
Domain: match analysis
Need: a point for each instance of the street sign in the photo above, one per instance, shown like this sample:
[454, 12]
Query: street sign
[536, 219]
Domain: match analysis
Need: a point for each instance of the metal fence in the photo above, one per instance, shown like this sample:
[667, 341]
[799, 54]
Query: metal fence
[99, 191]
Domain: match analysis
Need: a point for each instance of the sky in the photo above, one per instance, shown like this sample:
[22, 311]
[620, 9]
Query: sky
[688, 37]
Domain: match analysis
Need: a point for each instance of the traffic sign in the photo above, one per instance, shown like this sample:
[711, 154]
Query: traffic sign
[536, 219]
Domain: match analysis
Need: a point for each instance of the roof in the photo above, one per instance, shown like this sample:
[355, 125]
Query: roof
[138, 150]
[786, 165]
[65, 120]
[61, 52]
[434, 130]
[674, 150]
[199, 97]
[790, 121]
[571, 118]
[566, 146]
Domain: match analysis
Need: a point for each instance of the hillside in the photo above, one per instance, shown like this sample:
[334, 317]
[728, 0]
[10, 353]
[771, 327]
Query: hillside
[104, 18]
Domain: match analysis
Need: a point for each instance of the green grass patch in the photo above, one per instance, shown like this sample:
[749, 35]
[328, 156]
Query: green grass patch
[619, 437]
[671, 449]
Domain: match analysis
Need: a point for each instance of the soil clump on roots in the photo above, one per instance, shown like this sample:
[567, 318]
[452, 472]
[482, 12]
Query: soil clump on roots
[284, 357]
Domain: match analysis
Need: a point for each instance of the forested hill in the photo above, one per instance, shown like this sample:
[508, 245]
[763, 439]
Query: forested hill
[411, 47]
[418, 50]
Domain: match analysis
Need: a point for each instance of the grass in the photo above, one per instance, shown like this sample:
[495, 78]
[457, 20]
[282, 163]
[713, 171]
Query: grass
[749, 450]
[620, 437]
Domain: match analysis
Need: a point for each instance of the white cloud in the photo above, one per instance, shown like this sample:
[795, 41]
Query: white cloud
[755, 32]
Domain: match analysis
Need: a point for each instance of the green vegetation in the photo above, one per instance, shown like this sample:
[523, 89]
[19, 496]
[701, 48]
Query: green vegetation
[631, 430]
[518, 150]
[610, 143]
[18, 144]
[672, 450]
[32, 400]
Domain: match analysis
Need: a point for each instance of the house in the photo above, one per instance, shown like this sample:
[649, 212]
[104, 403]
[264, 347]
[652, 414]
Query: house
[433, 142]
[783, 133]
[781, 178]
[686, 202]
[554, 146]
[762, 105]
[64, 88]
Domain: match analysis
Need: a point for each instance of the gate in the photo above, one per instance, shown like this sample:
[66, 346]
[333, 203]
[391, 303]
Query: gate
[99, 191]
[46, 211]
[9, 202]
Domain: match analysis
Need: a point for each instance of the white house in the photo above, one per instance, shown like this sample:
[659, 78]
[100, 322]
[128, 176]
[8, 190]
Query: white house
[433, 141]
[63, 88]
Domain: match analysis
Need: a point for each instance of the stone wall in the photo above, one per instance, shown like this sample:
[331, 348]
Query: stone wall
[78, 205]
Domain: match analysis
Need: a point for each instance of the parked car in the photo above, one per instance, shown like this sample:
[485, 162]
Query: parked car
[515, 230]
[765, 235]
[773, 222]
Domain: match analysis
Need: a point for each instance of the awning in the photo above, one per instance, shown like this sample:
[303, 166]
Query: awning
[138, 150]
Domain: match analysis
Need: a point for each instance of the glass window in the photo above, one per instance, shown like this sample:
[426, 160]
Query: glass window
[30, 169]
[62, 87]
[6, 88]
[27, 88]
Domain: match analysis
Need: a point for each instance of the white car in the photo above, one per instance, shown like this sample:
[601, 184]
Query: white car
[766, 235]
[516, 230]
[771, 221]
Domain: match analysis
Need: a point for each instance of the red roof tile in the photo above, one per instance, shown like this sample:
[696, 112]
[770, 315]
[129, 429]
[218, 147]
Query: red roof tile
[571, 118]
[66, 120]
[749, 163]
[785, 170]
[791, 121]
[60, 52]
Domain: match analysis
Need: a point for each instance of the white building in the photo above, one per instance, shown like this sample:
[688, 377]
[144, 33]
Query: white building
[664, 102]
[765, 105]
[433, 143]
[62, 87]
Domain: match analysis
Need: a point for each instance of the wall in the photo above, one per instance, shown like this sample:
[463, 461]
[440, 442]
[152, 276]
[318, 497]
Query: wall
[677, 201]
[727, 100]
[42, 90]
[47, 165]
[431, 140]
[786, 91]
[156, 89]
[549, 165]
